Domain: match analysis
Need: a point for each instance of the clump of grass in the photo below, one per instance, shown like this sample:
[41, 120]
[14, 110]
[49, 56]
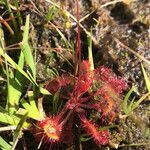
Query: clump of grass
[52, 12]
[13, 114]
[129, 107]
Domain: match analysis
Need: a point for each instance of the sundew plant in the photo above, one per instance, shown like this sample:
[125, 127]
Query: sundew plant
[89, 101]
[85, 103]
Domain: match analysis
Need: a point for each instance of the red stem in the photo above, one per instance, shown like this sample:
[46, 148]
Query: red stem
[78, 41]
[78, 48]
[67, 117]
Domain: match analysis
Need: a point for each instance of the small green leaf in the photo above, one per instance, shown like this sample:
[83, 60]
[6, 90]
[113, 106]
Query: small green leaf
[11, 119]
[32, 111]
[84, 138]
[4, 145]
[44, 91]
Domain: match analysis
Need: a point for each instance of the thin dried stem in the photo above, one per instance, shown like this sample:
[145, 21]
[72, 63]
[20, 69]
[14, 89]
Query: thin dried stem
[78, 41]
[13, 48]
[86, 16]
[132, 51]
[40, 107]
[6, 25]
[7, 128]
[111, 3]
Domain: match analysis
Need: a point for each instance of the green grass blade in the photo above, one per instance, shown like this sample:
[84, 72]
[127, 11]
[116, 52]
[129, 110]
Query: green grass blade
[20, 62]
[15, 86]
[26, 30]
[8, 75]
[130, 106]
[55, 102]
[85, 138]
[11, 15]
[7, 119]
[2, 3]
[12, 119]
[52, 12]
[146, 78]
[10, 100]
[15, 89]
[136, 104]
[28, 57]
[10, 95]
[25, 47]
[18, 12]
[19, 80]
[2, 110]
[31, 100]
[4, 145]
[15, 66]
[32, 112]
[17, 132]
[125, 101]
[44, 91]
[62, 36]
[2, 43]
[25, 104]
